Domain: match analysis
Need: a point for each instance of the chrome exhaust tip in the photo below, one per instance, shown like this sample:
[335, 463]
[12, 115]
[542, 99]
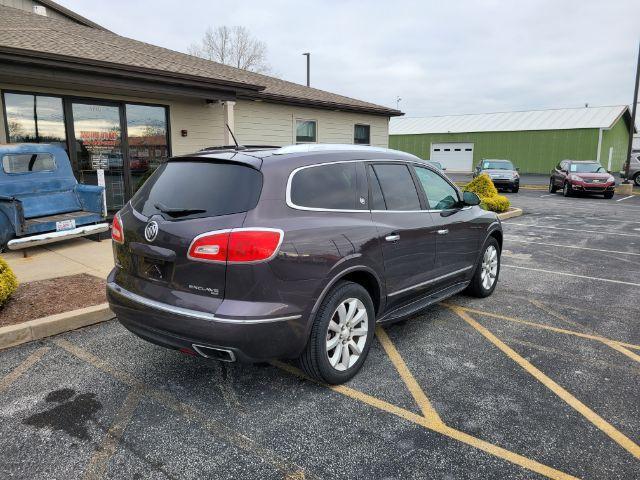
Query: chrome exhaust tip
[221, 354]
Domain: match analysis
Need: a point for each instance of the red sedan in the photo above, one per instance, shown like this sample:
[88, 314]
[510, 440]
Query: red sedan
[584, 176]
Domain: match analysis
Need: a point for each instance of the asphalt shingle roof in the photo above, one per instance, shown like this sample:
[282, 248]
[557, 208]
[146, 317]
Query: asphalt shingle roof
[35, 34]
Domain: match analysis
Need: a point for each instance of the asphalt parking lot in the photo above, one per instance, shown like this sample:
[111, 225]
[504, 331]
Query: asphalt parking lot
[538, 380]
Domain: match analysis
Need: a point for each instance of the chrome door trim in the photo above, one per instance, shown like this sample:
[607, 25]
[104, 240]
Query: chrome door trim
[433, 280]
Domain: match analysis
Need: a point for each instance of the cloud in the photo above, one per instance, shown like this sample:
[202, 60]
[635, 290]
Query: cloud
[440, 57]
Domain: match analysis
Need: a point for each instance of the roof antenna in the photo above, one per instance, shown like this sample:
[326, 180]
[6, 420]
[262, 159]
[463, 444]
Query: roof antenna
[238, 147]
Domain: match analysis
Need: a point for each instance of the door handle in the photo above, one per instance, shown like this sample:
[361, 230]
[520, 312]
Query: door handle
[444, 231]
[394, 237]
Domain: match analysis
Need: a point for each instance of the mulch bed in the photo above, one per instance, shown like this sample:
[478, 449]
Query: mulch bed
[47, 297]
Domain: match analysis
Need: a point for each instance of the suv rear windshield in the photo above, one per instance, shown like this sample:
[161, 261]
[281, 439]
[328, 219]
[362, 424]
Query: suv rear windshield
[198, 189]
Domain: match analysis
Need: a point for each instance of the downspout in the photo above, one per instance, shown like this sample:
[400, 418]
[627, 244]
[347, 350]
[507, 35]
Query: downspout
[599, 145]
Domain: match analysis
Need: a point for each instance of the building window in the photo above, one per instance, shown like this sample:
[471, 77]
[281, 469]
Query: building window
[306, 131]
[148, 141]
[362, 134]
[35, 119]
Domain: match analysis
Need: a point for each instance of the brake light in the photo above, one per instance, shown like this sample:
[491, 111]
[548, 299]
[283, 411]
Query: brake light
[242, 245]
[117, 234]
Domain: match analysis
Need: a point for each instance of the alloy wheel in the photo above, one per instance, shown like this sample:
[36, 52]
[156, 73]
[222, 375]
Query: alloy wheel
[347, 334]
[489, 267]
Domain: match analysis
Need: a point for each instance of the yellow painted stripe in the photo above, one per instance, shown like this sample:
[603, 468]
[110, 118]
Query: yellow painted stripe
[26, 364]
[441, 428]
[540, 325]
[97, 467]
[623, 350]
[414, 388]
[580, 407]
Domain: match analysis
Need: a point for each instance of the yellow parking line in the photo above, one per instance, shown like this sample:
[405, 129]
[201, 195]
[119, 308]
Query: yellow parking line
[99, 462]
[623, 350]
[441, 428]
[540, 325]
[580, 407]
[557, 315]
[26, 364]
[418, 394]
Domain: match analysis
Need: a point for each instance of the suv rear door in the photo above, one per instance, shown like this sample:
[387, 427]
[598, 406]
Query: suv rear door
[184, 198]
[405, 230]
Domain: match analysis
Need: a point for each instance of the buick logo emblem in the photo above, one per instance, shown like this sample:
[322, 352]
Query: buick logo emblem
[151, 231]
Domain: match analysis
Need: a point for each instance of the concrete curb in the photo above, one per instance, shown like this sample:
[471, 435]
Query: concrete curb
[511, 213]
[39, 328]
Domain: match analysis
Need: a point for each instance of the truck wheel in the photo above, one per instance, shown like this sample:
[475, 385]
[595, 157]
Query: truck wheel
[341, 335]
[636, 179]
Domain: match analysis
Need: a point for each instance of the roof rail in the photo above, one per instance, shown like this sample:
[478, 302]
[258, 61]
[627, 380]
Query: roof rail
[238, 147]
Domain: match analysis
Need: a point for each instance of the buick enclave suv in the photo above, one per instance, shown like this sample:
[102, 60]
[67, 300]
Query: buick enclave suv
[295, 252]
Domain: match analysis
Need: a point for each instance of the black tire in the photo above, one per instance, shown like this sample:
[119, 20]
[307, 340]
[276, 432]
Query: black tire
[566, 190]
[552, 186]
[315, 358]
[636, 179]
[515, 189]
[608, 195]
[476, 287]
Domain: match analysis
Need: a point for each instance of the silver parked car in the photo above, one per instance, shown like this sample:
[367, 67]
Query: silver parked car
[634, 167]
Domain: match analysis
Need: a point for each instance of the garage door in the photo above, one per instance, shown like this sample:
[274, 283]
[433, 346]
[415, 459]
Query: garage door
[455, 157]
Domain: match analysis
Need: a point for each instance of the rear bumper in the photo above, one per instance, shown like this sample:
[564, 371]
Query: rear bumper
[250, 339]
[51, 237]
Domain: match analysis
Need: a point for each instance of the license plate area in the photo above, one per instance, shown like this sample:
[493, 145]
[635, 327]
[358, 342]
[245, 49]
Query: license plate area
[63, 225]
[153, 269]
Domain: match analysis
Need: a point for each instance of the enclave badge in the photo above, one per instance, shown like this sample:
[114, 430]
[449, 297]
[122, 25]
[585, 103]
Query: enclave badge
[151, 231]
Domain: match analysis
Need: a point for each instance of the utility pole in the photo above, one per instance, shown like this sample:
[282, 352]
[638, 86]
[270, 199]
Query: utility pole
[632, 127]
[398, 103]
[308, 55]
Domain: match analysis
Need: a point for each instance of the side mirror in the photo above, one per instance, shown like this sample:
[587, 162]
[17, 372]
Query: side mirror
[470, 199]
[517, 169]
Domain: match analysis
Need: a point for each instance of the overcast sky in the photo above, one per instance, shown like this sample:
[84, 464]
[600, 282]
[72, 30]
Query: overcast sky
[440, 57]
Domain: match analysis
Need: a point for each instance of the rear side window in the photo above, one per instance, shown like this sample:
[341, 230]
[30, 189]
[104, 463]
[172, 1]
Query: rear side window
[198, 189]
[28, 162]
[331, 186]
[398, 190]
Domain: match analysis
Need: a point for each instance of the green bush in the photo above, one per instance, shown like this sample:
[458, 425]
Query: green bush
[497, 203]
[8, 282]
[486, 190]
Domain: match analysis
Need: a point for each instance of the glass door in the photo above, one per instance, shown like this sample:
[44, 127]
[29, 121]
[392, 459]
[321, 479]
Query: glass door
[97, 130]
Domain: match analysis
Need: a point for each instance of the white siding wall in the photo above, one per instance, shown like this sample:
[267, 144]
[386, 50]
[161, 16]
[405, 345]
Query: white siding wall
[255, 122]
[273, 124]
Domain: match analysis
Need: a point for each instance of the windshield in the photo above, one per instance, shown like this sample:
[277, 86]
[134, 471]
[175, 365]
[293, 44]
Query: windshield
[586, 168]
[497, 165]
[197, 189]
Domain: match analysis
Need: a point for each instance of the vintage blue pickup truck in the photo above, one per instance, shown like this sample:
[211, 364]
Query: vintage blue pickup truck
[40, 199]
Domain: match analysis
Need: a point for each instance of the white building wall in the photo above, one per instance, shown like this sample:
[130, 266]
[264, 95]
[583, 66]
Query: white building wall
[264, 123]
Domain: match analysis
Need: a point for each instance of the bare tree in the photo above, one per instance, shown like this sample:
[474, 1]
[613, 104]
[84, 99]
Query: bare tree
[232, 46]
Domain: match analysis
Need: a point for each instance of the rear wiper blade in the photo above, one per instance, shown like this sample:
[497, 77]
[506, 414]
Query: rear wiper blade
[177, 211]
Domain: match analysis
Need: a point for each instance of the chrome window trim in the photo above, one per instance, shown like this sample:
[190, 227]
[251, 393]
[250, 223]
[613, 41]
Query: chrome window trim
[290, 203]
[433, 280]
[187, 312]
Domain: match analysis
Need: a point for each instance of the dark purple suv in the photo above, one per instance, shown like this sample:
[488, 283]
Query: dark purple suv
[294, 252]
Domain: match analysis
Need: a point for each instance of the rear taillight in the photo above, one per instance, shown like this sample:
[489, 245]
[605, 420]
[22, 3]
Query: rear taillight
[241, 245]
[117, 234]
